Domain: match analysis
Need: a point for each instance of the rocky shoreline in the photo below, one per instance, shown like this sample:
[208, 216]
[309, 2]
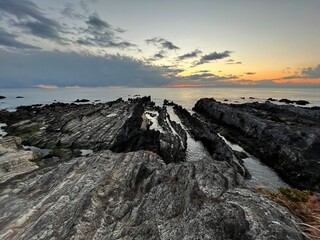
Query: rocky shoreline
[135, 181]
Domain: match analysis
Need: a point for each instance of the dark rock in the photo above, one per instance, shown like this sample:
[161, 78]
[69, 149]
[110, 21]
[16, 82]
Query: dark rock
[243, 98]
[210, 139]
[226, 100]
[167, 103]
[240, 155]
[2, 97]
[298, 102]
[115, 125]
[286, 138]
[284, 100]
[301, 102]
[19, 97]
[272, 99]
[82, 100]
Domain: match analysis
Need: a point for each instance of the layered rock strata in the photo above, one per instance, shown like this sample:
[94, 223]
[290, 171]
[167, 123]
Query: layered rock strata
[287, 138]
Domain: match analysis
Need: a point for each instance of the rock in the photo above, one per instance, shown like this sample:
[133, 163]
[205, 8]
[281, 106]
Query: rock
[2, 97]
[82, 100]
[298, 102]
[13, 159]
[286, 138]
[19, 97]
[216, 146]
[167, 103]
[136, 195]
[272, 99]
[284, 100]
[240, 155]
[114, 125]
[301, 102]
[251, 98]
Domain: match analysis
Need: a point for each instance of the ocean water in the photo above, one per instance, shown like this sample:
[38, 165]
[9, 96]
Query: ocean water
[262, 175]
[186, 97]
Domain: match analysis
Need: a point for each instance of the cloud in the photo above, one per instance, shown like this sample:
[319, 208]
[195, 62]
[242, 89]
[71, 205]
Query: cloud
[9, 40]
[208, 77]
[69, 11]
[43, 30]
[100, 33]
[162, 43]
[250, 73]
[29, 17]
[213, 56]
[96, 22]
[232, 63]
[310, 73]
[192, 54]
[71, 69]
[159, 55]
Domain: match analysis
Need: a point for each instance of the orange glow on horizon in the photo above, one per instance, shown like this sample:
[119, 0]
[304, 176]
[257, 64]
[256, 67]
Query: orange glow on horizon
[299, 80]
[181, 85]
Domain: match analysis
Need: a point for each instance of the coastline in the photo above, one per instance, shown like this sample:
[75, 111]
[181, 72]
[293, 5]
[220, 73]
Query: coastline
[139, 157]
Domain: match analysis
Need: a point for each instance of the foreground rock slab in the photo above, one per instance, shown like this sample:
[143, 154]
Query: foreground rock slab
[136, 195]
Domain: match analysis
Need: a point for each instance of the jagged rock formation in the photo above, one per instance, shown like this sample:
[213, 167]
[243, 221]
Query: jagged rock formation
[114, 125]
[136, 185]
[13, 159]
[137, 196]
[287, 138]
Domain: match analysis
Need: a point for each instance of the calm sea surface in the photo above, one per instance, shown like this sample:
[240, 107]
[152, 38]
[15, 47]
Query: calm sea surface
[186, 97]
[262, 175]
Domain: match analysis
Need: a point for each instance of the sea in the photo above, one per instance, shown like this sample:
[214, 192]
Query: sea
[186, 97]
[262, 175]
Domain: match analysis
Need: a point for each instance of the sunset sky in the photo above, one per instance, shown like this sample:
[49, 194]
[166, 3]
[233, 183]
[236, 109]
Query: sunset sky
[143, 43]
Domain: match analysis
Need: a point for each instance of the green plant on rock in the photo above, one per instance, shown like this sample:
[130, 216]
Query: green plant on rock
[294, 195]
[303, 204]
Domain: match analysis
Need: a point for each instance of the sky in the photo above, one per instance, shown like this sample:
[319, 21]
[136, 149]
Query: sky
[143, 43]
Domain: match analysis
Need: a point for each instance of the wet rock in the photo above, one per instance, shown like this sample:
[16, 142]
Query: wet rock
[272, 99]
[2, 97]
[286, 138]
[13, 159]
[19, 96]
[137, 196]
[216, 146]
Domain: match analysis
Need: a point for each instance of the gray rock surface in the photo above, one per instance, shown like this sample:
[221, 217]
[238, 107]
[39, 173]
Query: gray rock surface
[137, 196]
[117, 126]
[133, 183]
[13, 159]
